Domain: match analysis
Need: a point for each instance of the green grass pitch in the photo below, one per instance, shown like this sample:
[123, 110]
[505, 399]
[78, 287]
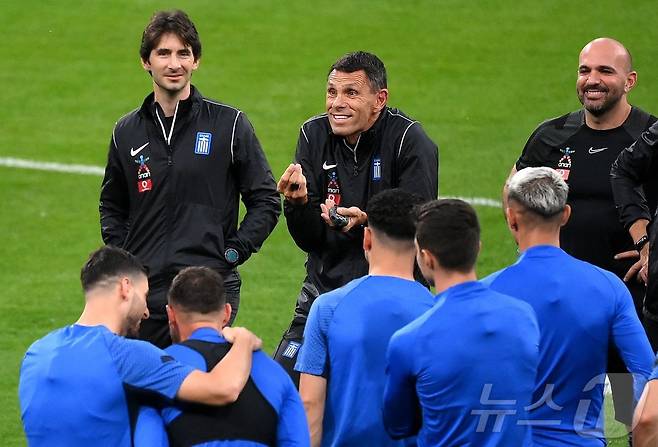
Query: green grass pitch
[479, 75]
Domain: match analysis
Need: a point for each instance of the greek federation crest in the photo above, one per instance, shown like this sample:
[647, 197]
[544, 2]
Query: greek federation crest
[376, 169]
[144, 181]
[203, 143]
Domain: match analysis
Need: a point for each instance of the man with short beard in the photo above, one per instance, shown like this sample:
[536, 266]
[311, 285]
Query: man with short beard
[81, 385]
[582, 146]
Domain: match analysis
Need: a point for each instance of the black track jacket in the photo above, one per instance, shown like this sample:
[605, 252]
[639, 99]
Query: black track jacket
[394, 153]
[171, 193]
[634, 167]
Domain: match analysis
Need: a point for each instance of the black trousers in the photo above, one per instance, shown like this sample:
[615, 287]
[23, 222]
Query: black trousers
[156, 328]
[291, 342]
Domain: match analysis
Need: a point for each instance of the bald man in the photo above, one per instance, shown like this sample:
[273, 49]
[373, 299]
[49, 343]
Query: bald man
[581, 146]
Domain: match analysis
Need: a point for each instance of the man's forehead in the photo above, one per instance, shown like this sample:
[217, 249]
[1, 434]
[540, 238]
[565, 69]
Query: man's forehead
[340, 77]
[604, 54]
[170, 41]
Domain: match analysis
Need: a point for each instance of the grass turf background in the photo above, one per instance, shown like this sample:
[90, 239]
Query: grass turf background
[479, 76]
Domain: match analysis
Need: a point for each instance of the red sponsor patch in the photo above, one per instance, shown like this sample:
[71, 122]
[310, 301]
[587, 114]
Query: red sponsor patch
[564, 173]
[144, 185]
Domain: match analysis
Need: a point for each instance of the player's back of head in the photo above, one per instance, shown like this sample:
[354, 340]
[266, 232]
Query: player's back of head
[449, 229]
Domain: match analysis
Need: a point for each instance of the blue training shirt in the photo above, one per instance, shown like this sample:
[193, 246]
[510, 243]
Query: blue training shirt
[580, 309]
[345, 340]
[74, 382]
[462, 374]
[273, 383]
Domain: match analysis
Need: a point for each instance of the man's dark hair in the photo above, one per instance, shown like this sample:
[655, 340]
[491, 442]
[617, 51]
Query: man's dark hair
[109, 262]
[449, 229]
[391, 212]
[368, 62]
[198, 290]
[176, 22]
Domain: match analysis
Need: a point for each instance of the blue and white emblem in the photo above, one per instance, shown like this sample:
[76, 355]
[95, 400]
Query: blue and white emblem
[291, 349]
[376, 169]
[202, 144]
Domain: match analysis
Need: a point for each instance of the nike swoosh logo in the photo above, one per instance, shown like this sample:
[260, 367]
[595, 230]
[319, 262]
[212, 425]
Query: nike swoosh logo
[596, 151]
[326, 167]
[134, 152]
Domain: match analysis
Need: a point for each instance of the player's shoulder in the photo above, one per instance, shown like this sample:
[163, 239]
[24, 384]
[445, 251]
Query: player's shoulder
[398, 123]
[637, 122]
[555, 131]
[218, 106]
[336, 295]
[316, 127]
[128, 120]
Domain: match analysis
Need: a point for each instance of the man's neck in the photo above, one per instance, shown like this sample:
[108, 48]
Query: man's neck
[169, 100]
[444, 279]
[611, 119]
[536, 237]
[389, 263]
[353, 139]
[186, 330]
[95, 314]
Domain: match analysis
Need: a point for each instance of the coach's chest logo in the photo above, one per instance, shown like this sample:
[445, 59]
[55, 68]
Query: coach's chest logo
[144, 181]
[203, 143]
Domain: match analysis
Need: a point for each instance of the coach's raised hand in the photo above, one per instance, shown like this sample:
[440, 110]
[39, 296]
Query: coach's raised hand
[293, 185]
[353, 213]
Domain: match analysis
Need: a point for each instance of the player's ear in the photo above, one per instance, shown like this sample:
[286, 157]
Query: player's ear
[367, 239]
[512, 223]
[631, 80]
[427, 259]
[146, 65]
[171, 314]
[125, 287]
[227, 314]
[382, 99]
[566, 213]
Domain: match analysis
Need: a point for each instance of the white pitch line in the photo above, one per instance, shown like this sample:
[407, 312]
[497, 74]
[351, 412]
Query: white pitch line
[98, 171]
[50, 166]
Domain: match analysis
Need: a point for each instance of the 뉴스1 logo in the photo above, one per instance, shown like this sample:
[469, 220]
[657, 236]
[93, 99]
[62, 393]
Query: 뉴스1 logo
[144, 182]
[203, 142]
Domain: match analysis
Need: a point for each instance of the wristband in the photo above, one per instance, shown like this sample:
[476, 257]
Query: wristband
[641, 242]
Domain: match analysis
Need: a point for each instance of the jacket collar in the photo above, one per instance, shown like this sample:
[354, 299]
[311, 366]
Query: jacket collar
[371, 134]
[185, 106]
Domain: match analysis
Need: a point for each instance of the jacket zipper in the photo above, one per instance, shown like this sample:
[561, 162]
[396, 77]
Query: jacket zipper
[355, 172]
[170, 158]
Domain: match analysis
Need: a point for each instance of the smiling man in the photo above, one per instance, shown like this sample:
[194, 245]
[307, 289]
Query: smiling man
[177, 169]
[582, 146]
[358, 148]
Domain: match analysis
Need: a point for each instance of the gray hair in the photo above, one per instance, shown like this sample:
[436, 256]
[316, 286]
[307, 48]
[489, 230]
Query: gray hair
[540, 190]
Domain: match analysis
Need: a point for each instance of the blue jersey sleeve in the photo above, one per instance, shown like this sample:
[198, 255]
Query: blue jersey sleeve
[149, 429]
[401, 406]
[630, 339]
[314, 354]
[292, 430]
[141, 365]
[654, 374]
